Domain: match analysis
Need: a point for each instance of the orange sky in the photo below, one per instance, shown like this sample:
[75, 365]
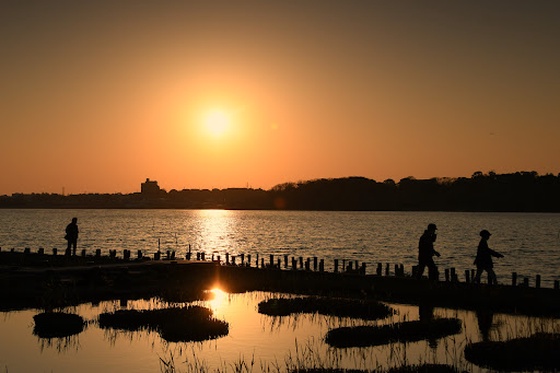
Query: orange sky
[97, 96]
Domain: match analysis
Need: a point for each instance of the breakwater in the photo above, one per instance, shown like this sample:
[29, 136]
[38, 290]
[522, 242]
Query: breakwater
[40, 280]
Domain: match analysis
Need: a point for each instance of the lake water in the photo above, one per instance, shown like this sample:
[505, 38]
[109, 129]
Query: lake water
[529, 241]
[260, 343]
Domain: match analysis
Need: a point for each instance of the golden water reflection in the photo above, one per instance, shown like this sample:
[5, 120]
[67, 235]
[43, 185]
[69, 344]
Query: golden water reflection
[261, 342]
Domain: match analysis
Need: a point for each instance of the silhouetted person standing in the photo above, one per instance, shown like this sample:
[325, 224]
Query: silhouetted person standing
[72, 236]
[483, 259]
[426, 253]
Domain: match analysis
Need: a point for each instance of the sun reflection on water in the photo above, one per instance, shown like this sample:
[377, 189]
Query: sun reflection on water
[219, 299]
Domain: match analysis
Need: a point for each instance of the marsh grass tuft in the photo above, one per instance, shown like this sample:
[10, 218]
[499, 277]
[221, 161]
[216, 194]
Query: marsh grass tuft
[409, 331]
[423, 368]
[537, 352]
[57, 324]
[179, 324]
[354, 308]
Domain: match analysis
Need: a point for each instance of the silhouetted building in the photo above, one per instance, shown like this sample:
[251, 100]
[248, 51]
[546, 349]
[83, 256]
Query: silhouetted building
[150, 188]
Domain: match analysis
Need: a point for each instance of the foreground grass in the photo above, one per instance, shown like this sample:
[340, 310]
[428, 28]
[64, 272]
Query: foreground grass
[411, 331]
[355, 308]
[180, 324]
[537, 352]
[425, 368]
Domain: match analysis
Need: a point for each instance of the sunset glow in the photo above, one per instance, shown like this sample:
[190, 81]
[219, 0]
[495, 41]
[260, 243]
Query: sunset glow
[96, 97]
[217, 123]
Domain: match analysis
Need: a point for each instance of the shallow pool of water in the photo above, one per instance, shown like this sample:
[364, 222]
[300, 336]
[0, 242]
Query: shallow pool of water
[255, 342]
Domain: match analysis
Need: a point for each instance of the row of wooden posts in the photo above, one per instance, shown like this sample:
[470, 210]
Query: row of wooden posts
[344, 266]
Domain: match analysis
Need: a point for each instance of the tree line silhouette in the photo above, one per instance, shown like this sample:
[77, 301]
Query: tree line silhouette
[520, 191]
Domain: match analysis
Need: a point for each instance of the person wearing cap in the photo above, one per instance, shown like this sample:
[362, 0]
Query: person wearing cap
[426, 253]
[483, 259]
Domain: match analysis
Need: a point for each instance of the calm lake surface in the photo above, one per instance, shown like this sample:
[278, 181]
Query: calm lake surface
[529, 241]
[259, 343]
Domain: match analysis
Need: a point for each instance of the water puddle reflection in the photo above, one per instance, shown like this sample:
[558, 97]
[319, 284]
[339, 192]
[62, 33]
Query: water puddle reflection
[254, 343]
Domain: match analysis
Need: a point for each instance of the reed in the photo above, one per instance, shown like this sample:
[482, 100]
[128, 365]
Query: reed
[537, 352]
[355, 308]
[179, 324]
[366, 335]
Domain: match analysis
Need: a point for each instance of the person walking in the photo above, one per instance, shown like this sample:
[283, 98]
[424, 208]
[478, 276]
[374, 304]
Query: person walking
[426, 253]
[72, 236]
[483, 260]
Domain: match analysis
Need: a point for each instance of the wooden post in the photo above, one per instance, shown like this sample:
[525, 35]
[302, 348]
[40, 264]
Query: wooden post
[350, 266]
[556, 285]
[227, 258]
[203, 256]
[526, 281]
[336, 266]
[54, 251]
[218, 259]
[301, 262]
[513, 278]
[41, 251]
[447, 275]
[315, 263]
[139, 254]
[387, 266]
[307, 264]
[97, 253]
[242, 259]
[322, 265]
[467, 276]
[538, 281]
[294, 263]
[285, 261]
[271, 260]
[453, 274]
[278, 261]
[257, 261]
[249, 260]
[262, 262]
[363, 269]
[379, 269]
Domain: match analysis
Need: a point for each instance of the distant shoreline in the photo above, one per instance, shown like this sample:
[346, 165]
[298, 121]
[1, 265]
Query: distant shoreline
[518, 192]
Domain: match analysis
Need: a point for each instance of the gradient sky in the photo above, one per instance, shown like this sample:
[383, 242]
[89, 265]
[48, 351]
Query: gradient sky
[97, 96]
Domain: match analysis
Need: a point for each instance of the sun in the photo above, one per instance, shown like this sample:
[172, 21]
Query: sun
[216, 122]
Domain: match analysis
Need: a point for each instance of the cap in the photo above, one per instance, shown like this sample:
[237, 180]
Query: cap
[432, 227]
[485, 233]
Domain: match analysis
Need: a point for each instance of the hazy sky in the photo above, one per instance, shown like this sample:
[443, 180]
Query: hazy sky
[97, 96]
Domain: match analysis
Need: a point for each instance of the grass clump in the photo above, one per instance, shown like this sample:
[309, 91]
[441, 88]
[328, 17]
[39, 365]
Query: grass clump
[537, 352]
[178, 324]
[355, 308]
[57, 324]
[423, 368]
[411, 331]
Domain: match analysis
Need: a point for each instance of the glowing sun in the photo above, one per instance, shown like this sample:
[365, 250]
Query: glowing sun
[216, 122]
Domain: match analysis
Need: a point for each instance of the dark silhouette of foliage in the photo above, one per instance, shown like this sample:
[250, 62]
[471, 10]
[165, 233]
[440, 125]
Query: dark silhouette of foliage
[191, 323]
[410, 331]
[57, 324]
[538, 352]
[523, 191]
[356, 308]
